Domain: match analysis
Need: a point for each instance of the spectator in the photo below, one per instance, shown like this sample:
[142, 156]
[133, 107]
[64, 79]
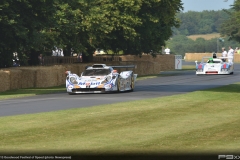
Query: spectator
[79, 57]
[57, 52]
[230, 54]
[167, 50]
[224, 54]
[41, 59]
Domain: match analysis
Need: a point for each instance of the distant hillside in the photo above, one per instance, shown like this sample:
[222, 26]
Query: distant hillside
[205, 36]
[205, 22]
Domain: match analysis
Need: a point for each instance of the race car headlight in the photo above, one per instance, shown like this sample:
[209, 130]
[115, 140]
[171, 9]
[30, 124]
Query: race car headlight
[225, 69]
[73, 80]
[103, 82]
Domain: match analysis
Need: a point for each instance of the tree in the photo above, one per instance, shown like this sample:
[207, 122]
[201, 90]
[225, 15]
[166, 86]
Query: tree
[158, 19]
[231, 27]
[22, 24]
[29, 27]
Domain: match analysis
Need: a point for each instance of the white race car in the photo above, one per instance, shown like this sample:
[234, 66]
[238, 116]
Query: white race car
[100, 78]
[209, 65]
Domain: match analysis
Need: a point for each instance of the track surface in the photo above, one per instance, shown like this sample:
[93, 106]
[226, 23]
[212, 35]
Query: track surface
[179, 82]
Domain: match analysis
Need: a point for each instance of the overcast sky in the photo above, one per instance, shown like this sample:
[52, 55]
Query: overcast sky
[200, 5]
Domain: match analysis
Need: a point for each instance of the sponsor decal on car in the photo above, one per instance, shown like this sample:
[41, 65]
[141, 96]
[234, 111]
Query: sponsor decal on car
[89, 83]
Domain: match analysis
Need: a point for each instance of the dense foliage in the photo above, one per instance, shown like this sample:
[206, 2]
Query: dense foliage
[23, 24]
[204, 22]
[231, 27]
[33, 27]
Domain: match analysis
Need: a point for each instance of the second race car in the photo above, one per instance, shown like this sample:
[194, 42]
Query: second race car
[209, 65]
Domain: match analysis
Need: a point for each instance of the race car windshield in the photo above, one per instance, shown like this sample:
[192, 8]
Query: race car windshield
[96, 72]
[213, 61]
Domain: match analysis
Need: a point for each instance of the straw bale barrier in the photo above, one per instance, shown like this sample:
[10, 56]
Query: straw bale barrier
[11, 79]
[5, 80]
[49, 76]
[15, 79]
[198, 56]
[46, 77]
[237, 58]
[28, 77]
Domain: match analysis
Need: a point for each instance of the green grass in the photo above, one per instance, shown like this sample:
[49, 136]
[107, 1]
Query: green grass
[205, 36]
[189, 67]
[201, 121]
[30, 92]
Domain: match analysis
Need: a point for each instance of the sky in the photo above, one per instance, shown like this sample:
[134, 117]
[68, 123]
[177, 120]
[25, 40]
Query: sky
[200, 5]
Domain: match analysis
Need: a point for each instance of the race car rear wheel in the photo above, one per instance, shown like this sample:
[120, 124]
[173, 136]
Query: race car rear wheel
[118, 84]
[132, 82]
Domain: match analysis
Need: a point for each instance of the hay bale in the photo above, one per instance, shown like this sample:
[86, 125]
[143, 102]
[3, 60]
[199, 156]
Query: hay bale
[45, 77]
[127, 58]
[15, 75]
[71, 67]
[198, 56]
[60, 74]
[166, 62]
[15, 79]
[237, 58]
[28, 77]
[5, 80]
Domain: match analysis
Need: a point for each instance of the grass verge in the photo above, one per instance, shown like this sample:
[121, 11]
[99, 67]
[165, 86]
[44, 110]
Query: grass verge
[25, 92]
[201, 121]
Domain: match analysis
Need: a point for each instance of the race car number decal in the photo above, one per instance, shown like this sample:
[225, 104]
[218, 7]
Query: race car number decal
[211, 69]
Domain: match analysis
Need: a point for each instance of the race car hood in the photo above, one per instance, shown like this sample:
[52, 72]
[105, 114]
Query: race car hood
[93, 81]
[212, 65]
[92, 78]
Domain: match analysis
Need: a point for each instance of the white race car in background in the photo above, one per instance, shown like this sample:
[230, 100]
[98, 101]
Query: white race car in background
[100, 78]
[211, 65]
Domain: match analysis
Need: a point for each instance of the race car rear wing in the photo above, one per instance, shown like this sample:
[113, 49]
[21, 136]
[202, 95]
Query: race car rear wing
[125, 66]
[104, 65]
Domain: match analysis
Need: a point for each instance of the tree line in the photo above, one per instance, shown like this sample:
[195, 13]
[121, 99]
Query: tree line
[181, 44]
[204, 22]
[225, 22]
[33, 27]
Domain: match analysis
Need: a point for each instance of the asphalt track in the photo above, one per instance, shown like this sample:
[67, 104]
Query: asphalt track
[178, 82]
